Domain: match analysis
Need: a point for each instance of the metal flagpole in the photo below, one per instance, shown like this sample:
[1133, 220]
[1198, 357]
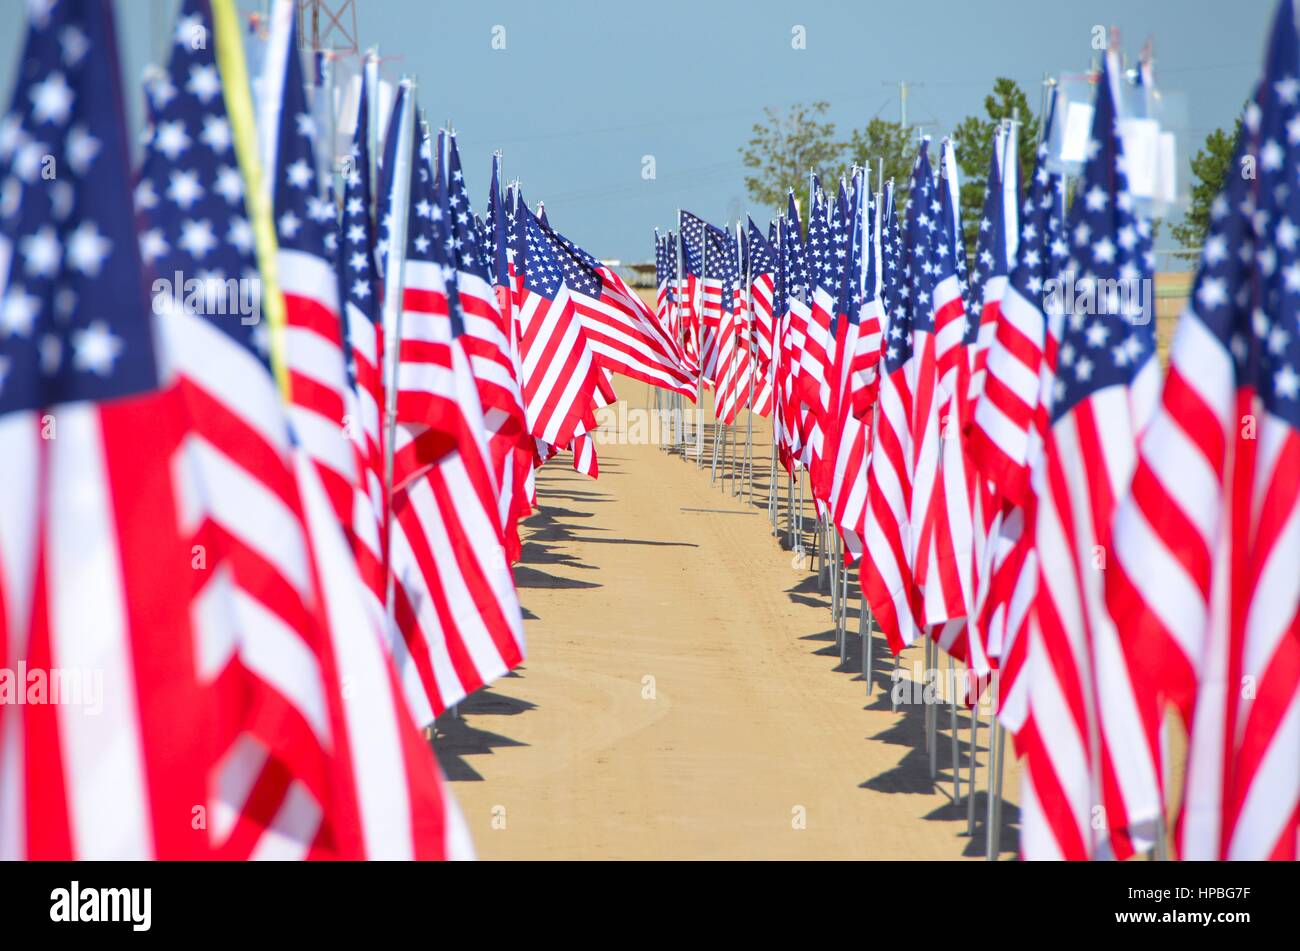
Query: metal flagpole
[835, 603]
[864, 631]
[789, 509]
[931, 708]
[991, 811]
[797, 512]
[717, 435]
[970, 776]
[841, 586]
[844, 598]
[373, 131]
[952, 723]
[393, 285]
[893, 697]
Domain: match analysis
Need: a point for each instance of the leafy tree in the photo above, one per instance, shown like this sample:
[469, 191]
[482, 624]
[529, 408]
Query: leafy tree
[785, 147]
[1210, 166]
[890, 141]
[973, 140]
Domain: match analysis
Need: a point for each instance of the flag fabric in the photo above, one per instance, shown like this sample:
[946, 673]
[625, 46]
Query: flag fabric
[886, 570]
[948, 536]
[857, 334]
[1204, 582]
[1003, 419]
[363, 341]
[94, 569]
[455, 605]
[935, 298]
[762, 294]
[392, 803]
[254, 600]
[622, 331]
[493, 356]
[704, 254]
[517, 480]
[734, 363]
[995, 253]
[1092, 737]
[387, 797]
[817, 353]
[560, 375]
[321, 401]
[1007, 425]
[796, 281]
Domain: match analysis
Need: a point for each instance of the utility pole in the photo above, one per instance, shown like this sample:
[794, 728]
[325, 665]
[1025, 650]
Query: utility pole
[328, 25]
[903, 86]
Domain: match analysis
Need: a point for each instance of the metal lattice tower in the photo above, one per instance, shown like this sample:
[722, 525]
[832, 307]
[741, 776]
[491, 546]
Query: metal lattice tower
[329, 25]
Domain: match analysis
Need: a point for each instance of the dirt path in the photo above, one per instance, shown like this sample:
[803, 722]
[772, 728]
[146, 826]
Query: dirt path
[683, 695]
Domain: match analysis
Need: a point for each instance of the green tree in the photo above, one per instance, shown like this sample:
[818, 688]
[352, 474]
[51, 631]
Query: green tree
[1210, 167]
[973, 141]
[785, 146]
[882, 139]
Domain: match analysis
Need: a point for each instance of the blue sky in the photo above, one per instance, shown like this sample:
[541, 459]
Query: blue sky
[585, 89]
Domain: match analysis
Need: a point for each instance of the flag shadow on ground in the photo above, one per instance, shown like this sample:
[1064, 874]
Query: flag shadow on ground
[911, 774]
[546, 533]
[455, 738]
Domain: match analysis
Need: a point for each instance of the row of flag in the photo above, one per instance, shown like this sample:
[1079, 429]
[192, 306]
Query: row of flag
[270, 435]
[998, 449]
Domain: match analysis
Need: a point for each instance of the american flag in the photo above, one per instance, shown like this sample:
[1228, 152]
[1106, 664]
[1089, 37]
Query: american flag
[933, 296]
[948, 536]
[734, 362]
[995, 253]
[624, 335]
[705, 251]
[1092, 736]
[797, 282]
[388, 802]
[560, 377]
[762, 292]
[857, 334]
[1204, 580]
[255, 601]
[886, 571]
[665, 275]
[89, 519]
[519, 486]
[363, 347]
[1007, 424]
[817, 350]
[455, 600]
[1004, 414]
[493, 356]
[320, 401]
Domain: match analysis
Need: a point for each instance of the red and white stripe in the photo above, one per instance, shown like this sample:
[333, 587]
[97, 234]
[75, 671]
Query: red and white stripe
[1004, 413]
[456, 605]
[735, 361]
[584, 456]
[1093, 734]
[1206, 548]
[849, 477]
[761, 290]
[626, 338]
[97, 581]
[886, 570]
[387, 784]
[559, 375]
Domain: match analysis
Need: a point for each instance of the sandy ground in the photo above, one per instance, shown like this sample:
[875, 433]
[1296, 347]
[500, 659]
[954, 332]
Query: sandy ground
[684, 697]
